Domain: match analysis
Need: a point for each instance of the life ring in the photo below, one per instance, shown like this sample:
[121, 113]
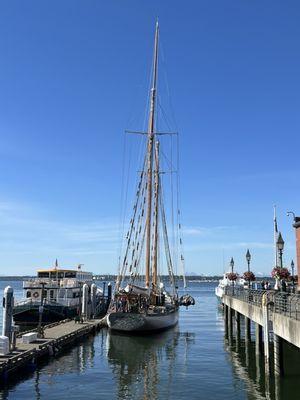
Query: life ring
[35, 294]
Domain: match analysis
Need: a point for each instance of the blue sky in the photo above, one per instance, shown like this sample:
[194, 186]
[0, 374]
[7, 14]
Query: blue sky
[74, 75]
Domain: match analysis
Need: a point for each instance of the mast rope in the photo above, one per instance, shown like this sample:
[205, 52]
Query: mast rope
[166, 242]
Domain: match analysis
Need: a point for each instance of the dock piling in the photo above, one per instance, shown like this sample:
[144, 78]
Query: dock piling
[230, 321]
[85, 300]
[93, 299]
[109, 288]
[247, 329]
[266, 335]
[278, 358]
[258, 338]
[8, 304]
[238, 324]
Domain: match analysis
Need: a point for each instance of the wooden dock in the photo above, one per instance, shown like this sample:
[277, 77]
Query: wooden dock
[57, 337]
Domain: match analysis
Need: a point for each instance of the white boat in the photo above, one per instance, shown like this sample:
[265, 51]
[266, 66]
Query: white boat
[58, 290]
[225, 282]
[141, 302]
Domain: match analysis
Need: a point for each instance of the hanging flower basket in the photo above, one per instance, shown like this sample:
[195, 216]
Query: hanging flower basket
[249, 276]
[232, 276]
[280, 273]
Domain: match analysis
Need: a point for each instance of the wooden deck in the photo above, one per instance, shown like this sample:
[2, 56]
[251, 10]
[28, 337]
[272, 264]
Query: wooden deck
[56, 337]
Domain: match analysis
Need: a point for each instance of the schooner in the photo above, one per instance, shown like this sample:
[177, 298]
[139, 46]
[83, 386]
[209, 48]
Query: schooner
[148, 307]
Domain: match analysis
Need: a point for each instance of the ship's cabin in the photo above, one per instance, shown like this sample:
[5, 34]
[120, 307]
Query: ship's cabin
[58, 285]
[58, 274]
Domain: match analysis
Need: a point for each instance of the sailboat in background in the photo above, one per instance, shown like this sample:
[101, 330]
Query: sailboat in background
[147, 306]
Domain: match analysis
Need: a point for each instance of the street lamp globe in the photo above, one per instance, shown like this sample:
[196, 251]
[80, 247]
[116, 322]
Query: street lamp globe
[231, 264]
[248, 256]
[292, 267]
[280, 242]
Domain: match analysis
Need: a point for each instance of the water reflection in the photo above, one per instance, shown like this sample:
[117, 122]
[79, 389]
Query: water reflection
[248, 366]
[75, 360]
[137, 362]
[243, 369]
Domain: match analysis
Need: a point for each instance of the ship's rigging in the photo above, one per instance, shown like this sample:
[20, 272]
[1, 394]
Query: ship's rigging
[148, 234]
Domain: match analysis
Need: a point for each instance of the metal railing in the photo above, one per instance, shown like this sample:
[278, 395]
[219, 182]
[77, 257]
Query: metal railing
[279, 302]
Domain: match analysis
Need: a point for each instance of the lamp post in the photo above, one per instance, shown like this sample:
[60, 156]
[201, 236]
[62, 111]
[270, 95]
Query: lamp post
[40, 329]
[231, 264]
[280, 247]
[293, 279]
[248, 258]
[292, 267]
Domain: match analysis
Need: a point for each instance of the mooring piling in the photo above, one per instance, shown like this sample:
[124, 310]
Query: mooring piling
[8, 304]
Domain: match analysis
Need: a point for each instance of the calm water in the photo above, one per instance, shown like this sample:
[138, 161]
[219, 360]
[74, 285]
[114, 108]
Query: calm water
[192, 361]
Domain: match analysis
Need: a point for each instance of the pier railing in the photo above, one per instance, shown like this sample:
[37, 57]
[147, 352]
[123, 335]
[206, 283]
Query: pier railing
[279, 302]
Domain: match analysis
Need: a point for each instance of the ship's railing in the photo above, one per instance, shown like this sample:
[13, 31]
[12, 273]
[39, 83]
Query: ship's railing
[279, 301]
[38, 283]
[59, 302]
[66, 283]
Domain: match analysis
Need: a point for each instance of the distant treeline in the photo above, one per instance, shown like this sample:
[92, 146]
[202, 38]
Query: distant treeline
[197, 278]
[108, 277]
[15, 278]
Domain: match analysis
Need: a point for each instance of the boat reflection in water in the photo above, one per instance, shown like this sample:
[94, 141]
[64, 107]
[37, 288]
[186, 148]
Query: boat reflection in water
[137, 361]
[248, 366]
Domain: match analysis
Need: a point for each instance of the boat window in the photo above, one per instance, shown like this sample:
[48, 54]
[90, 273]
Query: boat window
[51, 294]
[28, 294]
[70, 274]
[43, 274]
[60, 275]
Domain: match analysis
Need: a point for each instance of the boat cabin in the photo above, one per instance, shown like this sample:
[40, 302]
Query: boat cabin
[57, 285]
[58, 274]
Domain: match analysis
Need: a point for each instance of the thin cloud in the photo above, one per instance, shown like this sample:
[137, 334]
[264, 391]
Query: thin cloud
[27, 231]
[205, 231]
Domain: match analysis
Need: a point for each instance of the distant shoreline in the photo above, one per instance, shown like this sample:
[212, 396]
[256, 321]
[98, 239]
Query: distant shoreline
[107, 277]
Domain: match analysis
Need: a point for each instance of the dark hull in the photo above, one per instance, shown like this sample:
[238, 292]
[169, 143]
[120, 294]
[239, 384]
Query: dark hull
[29, 316]
[138, 323]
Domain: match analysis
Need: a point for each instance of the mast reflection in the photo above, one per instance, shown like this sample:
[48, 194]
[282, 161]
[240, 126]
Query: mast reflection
[136, 362]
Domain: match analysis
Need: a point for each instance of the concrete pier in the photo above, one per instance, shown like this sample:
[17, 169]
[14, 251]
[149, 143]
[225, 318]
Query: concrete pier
[275, 315]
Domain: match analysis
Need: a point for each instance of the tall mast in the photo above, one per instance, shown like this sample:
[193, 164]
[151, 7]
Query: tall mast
[155, 243]
[150, 157]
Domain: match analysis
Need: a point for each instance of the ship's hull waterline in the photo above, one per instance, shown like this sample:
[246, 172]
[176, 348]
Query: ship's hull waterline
[141, 323]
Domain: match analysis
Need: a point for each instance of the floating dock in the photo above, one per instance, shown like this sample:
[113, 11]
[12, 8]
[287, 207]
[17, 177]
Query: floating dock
[56, 338]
